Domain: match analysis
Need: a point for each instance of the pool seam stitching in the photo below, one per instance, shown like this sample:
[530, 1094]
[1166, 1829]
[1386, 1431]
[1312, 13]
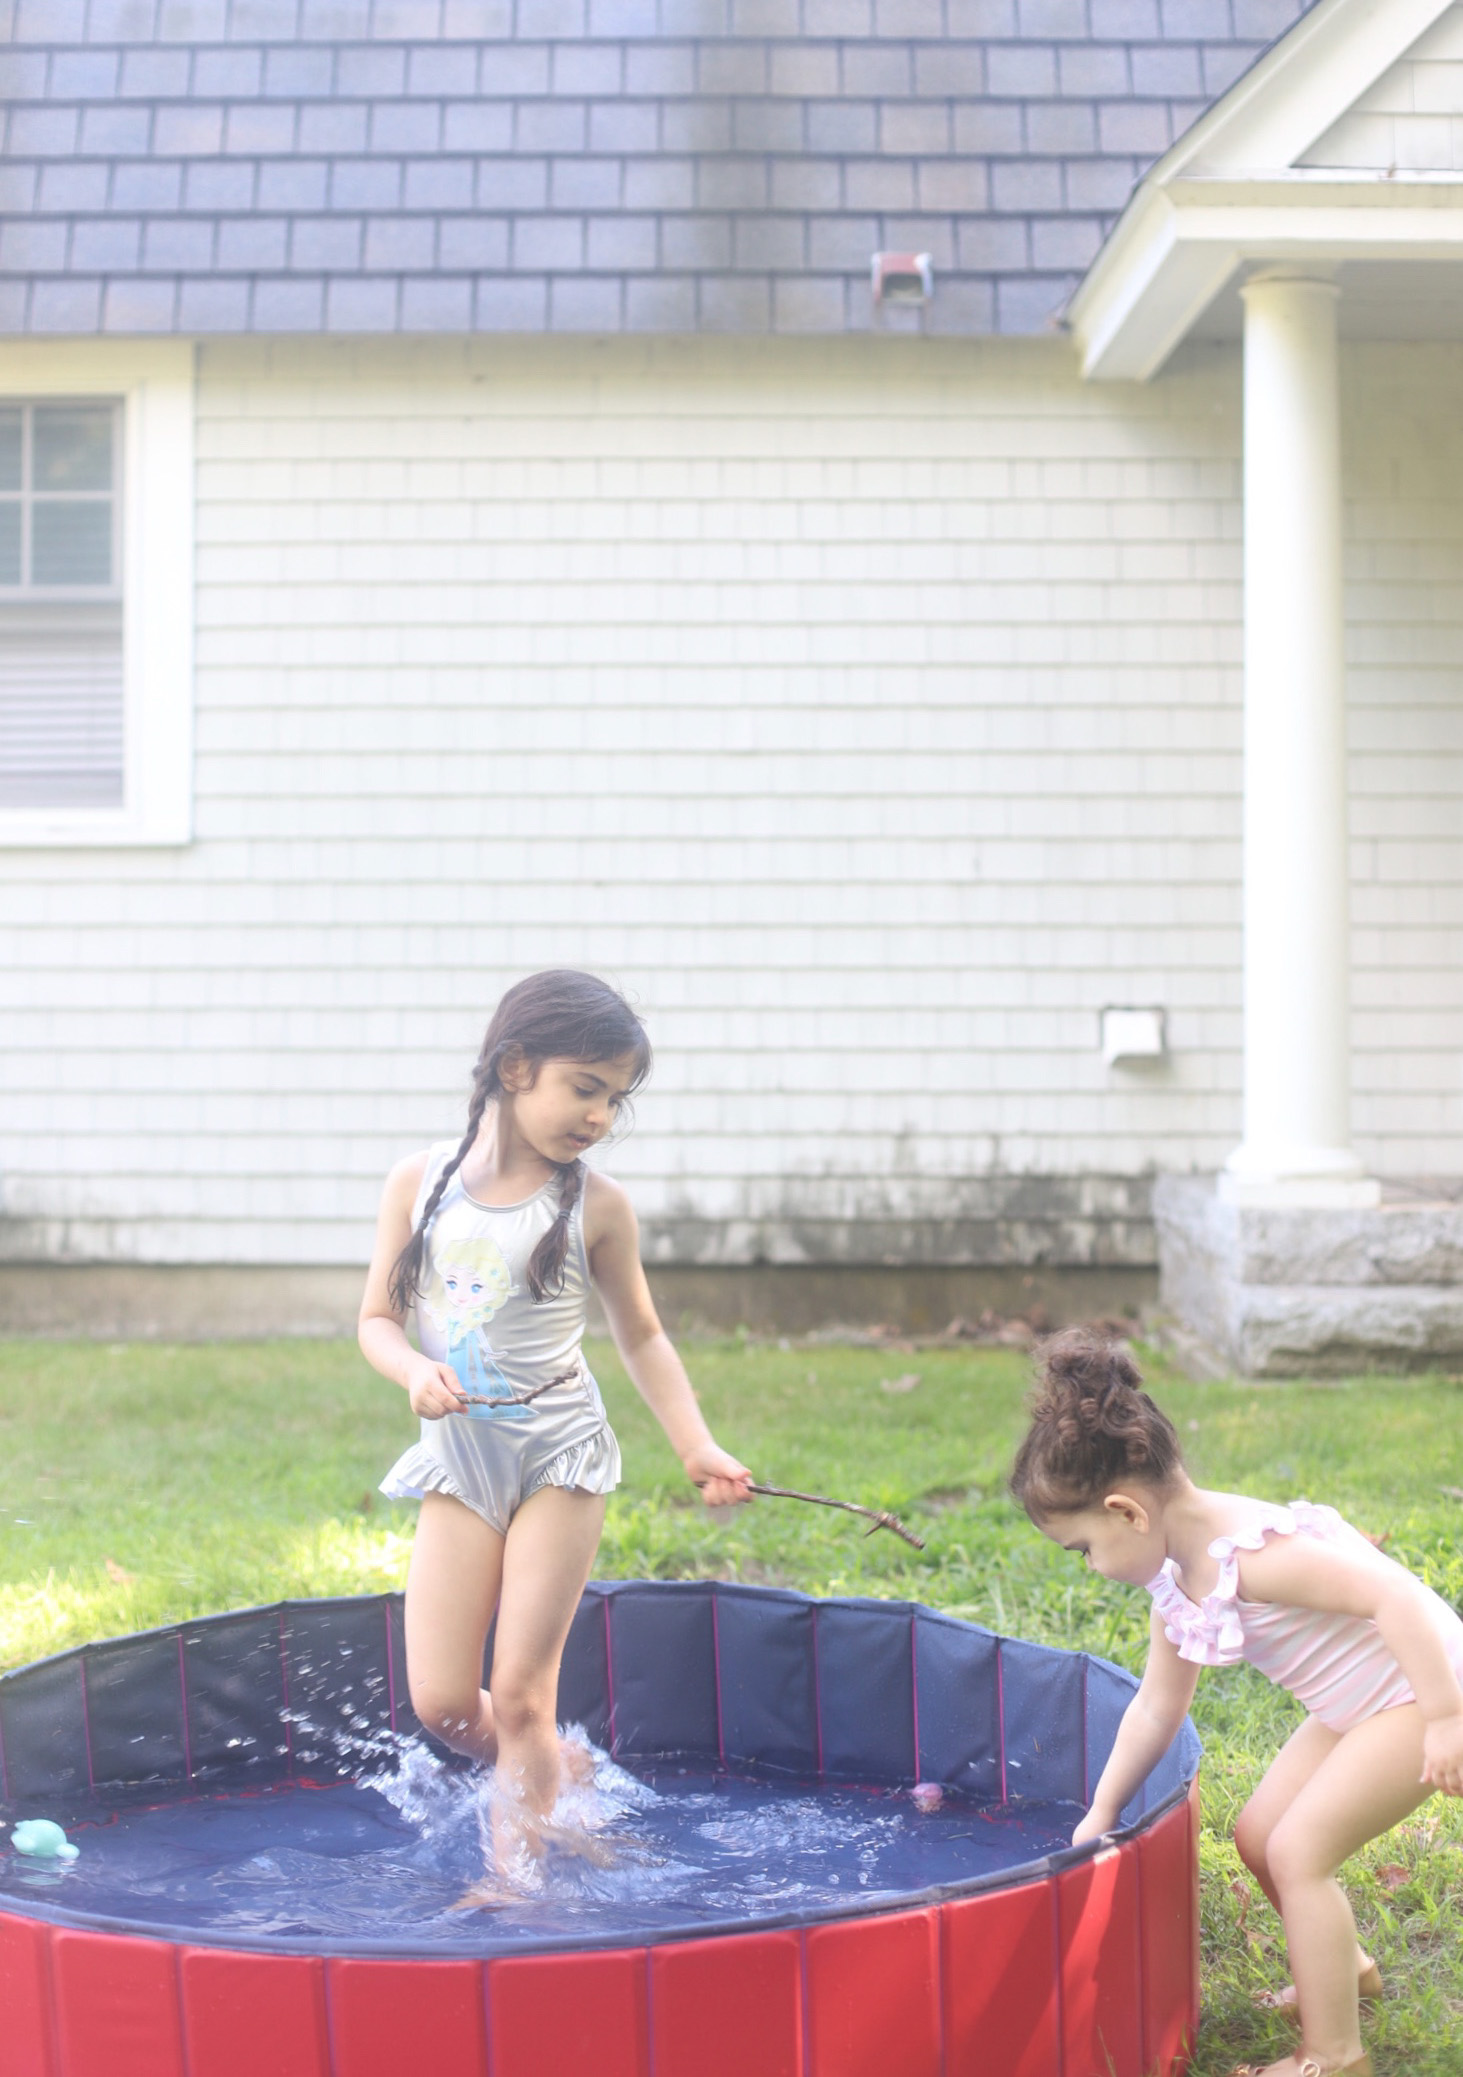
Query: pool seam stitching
[183, 1710]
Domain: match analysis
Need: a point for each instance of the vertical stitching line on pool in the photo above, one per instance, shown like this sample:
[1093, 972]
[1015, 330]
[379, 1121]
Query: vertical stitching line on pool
[4, 1768]
[817, 1693]
[942, 1967]
[716, 1670]
[91, 1780]
[327, 2000]
[53, 2003]
[610, 1675]
[806, 2029]
[486, 2001]
[185, 2061]
[1058, 2001]
[183, 1708]
[1086, 1755]
[390, 1666]
[1001, 1715]
[1148, 2061]
[647, 1964]
[1191, 1892]
[284, 1678]
[914, 1686]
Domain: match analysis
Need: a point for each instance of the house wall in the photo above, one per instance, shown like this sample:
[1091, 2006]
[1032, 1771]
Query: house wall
[870, 709]
[1412, 118]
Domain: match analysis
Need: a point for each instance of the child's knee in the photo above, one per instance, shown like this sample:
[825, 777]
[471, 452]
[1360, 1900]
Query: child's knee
[522, 1700]
[1292, 1858]
[1251, 1841]
[450, 1713]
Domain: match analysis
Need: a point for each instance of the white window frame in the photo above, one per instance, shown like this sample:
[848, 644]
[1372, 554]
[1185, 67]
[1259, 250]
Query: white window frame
[155, 382]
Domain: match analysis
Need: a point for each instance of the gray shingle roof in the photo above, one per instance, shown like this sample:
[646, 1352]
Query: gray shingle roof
[580, 165]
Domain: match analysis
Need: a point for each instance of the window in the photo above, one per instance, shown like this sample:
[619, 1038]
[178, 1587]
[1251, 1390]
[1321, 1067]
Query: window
[61, 703]
[96, 592]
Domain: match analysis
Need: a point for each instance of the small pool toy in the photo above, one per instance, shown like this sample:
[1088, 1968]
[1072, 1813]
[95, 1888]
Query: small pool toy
[43, 1840]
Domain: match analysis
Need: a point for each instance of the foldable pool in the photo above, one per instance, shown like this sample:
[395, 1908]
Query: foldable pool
[273, 1866]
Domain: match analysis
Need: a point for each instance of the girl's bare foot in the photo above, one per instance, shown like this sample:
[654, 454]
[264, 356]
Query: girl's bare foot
[576, 1759]
[584, 1846]
[491, 1894]
[1369, 1989]
[1303, 2065]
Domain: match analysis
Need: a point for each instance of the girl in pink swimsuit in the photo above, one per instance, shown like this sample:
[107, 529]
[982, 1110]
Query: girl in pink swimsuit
[1375, 1656]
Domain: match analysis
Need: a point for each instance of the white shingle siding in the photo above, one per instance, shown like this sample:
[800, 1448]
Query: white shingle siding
[1412, 119]
[871, 709]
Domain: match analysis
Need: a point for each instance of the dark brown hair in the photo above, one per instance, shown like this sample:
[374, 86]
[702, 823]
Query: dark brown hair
[1093, 1428]
[557, 1015]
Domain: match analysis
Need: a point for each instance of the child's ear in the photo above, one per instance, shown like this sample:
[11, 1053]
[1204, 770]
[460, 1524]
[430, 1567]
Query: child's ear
[1129, 1510]
[515, 1070]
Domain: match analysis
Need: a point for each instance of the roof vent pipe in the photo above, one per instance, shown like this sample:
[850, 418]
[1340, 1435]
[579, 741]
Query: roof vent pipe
[902, 277]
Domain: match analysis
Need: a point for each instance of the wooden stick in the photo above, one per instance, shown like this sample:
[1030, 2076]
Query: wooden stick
[880, 1518]
[520, 1398]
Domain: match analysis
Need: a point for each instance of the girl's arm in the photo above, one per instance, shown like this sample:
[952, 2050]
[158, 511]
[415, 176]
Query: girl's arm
[612, 1241]
[1310, 1574]
[1150, 1724]
[432, 1388]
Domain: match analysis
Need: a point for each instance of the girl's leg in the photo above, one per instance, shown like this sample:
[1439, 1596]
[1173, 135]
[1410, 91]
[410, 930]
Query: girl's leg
[547, 1557]
[1365, 1785]
[451, 1591]
[1288, 1773]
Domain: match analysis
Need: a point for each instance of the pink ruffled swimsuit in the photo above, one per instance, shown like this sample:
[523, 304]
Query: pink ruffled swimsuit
[1339, 1666]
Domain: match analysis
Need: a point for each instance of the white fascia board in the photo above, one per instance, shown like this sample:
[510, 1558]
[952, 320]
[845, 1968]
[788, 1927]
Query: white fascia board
[1301, 86]
[155, 380]
[1128, 321]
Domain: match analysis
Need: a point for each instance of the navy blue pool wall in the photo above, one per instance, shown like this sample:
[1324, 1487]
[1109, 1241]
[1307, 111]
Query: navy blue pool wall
[1082, 1964]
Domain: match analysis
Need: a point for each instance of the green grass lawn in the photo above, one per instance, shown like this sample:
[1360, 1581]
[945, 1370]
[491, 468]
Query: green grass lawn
[143, 1484]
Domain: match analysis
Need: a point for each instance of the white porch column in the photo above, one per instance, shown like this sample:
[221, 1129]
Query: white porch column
[1296, 1147]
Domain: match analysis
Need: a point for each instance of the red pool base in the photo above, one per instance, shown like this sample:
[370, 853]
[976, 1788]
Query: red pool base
[1084, 1964]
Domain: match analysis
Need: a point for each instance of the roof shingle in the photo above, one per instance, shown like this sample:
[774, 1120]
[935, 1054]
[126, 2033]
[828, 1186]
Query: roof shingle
[639, 165]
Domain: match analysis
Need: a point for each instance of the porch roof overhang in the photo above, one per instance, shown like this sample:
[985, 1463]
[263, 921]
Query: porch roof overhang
[1180, 244]
[1230, 192]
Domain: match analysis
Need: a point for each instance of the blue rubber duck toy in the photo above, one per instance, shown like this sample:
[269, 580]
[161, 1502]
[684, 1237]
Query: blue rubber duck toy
[43, 1841]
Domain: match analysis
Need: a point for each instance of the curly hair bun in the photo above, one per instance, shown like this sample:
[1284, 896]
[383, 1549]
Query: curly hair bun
[1089, 1362]
[1094, 1388]
[1092, 1425]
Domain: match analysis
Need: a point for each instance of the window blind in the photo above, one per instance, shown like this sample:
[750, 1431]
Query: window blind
[61, 694]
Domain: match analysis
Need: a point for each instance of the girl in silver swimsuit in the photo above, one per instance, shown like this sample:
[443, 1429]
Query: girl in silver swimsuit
[492, 1244]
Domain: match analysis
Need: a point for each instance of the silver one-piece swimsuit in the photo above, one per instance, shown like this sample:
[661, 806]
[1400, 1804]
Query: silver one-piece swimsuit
[475, 1314]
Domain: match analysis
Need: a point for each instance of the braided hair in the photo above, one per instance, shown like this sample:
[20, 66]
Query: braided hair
[557, 1015]
[1093, 1428]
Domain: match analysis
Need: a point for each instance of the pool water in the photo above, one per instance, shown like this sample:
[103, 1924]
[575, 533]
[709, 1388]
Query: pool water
[389, 1858]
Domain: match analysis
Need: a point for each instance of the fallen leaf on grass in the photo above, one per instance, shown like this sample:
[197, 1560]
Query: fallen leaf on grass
[117, 1572]
[1377, 1542]
[366, 1504]
[906, 1382]
[1451, 1492]
[1016, 1334]
[1394, 1876]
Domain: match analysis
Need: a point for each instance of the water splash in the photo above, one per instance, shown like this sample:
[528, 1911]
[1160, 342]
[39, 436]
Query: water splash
[389, 1854]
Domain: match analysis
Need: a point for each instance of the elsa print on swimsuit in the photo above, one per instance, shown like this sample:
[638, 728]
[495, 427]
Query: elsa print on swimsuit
[471, 1283]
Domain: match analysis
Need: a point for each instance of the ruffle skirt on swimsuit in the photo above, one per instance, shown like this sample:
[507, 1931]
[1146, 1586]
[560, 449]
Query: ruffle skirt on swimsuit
[494, 1466]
